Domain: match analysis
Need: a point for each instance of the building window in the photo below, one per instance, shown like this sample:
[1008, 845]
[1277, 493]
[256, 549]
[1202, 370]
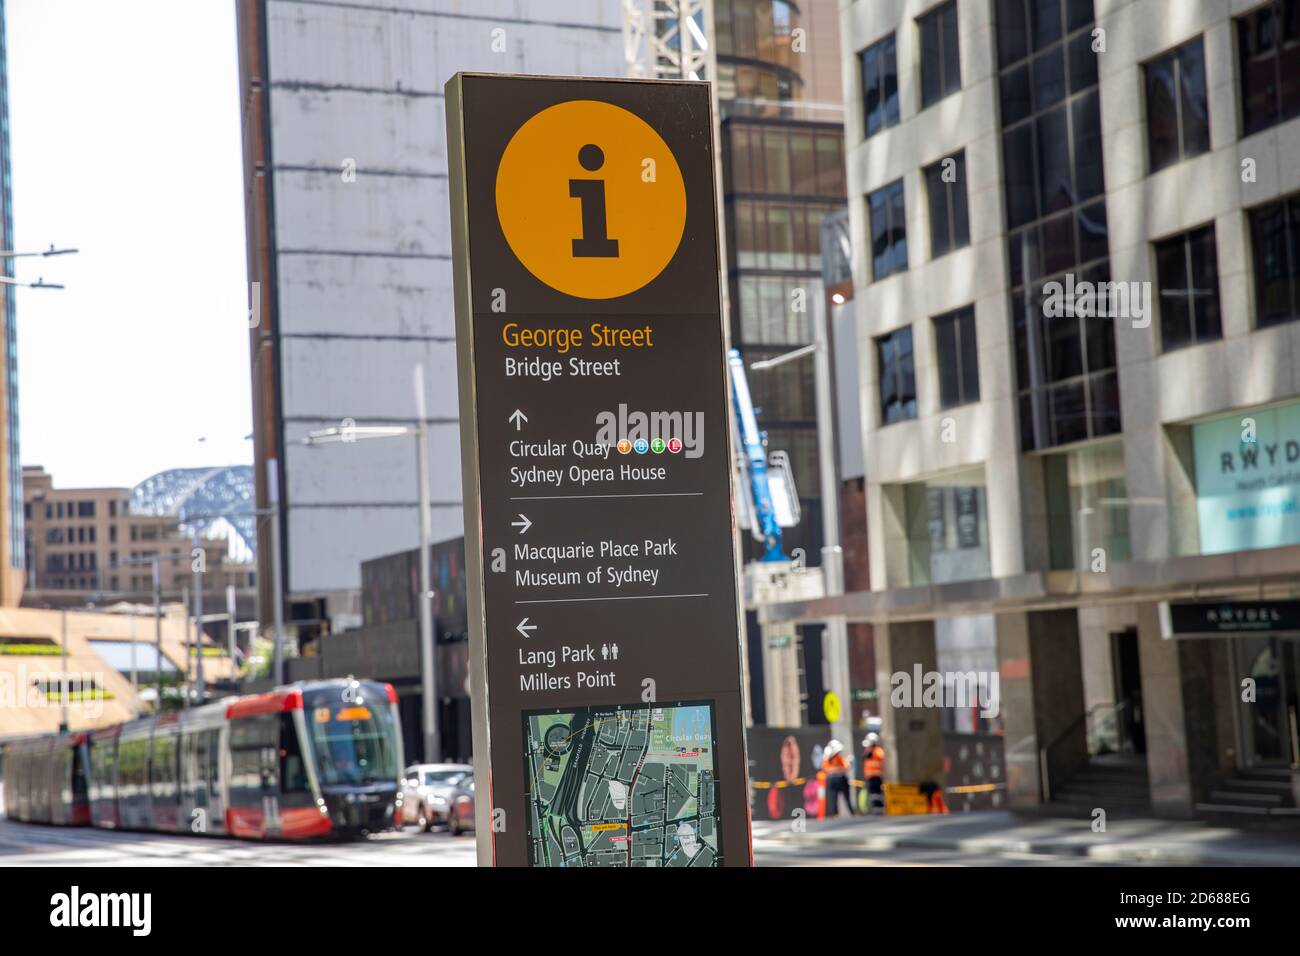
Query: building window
[880, 85]
[888, 231]
[955, 344]
[947, 529]
[1268, 49]
[112, 509]
[112, 533]
[85, 509]
[774, 234]
[1189, 289]
[945, 187]
[1275, 246]
[1178, 116]
[1087, 506]
[1067, 381]
[940, 56]
[1025, 27]
[897, 376]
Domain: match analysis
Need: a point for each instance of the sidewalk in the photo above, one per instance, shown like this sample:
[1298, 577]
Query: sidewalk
[1146, 840]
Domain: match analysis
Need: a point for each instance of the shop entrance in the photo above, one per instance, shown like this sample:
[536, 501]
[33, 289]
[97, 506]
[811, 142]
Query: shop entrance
[1267, 725]
[1130, 728]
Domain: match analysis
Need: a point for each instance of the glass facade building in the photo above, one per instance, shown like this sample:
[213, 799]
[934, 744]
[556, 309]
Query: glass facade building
[783, 172]
[1079, 391]
[12, 460]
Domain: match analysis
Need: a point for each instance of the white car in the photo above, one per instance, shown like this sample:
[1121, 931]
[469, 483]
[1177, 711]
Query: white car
[427, 792]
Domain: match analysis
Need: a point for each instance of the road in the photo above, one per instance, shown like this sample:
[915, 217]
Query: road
[28, 845]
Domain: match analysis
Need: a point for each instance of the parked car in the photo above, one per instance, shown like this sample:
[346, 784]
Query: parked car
[460, 815]
[426, 791]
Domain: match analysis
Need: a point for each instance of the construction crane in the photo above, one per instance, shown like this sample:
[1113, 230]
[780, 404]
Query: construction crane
[772, 503]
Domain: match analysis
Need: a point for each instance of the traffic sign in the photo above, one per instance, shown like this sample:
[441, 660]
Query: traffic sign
[831, 707]
[604, 642]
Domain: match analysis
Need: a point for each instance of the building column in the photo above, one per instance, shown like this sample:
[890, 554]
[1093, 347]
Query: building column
[781, 675]
[912, 736]
[1041, 682]
[1179, 704]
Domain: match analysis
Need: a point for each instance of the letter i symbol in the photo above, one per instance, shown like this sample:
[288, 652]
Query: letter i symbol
[594, 242]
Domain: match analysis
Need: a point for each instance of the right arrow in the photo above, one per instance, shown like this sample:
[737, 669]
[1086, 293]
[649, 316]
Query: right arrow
[518, 418]
[523, 524]
[523, 627]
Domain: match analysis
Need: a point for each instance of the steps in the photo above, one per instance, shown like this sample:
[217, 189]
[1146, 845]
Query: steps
[1261, 792]
[1116, 783]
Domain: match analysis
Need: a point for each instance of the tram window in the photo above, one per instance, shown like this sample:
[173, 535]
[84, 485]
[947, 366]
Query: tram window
[254, 747]
[79, 787]
[293, 771]
[131, 765]
[213, 768]
[244, 747]
[192, 758]
[163, 766]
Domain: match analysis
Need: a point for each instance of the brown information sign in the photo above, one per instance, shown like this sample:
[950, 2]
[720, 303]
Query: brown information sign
[605, 659]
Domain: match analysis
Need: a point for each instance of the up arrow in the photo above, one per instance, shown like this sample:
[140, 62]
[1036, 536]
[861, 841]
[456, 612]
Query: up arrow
[518, 418]
[523, 627]
[523, 524]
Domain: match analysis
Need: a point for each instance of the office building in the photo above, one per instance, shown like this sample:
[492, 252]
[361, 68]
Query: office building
[95, 544]
[349, 250]
[782, 134]
[11, 481]
[1076, 275]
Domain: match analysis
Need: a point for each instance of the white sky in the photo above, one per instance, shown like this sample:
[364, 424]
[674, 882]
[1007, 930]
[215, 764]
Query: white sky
[125, 134]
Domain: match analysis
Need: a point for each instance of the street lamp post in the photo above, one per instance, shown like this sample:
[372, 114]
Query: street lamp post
[197, 561]
[277, 578]
[157, 625]
[428, 665]
[63, 680]
[836, 639]
[155, 566]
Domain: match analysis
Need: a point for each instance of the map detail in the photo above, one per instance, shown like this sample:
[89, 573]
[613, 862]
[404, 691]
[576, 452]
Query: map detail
[622, 786]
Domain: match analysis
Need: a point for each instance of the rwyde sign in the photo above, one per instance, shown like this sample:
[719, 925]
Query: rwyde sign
[605, 661]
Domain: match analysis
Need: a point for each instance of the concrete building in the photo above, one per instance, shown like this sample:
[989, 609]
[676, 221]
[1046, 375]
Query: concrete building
[782, 142]
[92, 545]
[102, 665]
[1090, 499]
[349, 252]
[11, 483]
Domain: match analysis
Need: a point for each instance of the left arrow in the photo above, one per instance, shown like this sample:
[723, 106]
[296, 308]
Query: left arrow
[523, 627]
[523, 524]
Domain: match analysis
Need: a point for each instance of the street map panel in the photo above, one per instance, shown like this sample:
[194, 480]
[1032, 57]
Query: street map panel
[622, 786]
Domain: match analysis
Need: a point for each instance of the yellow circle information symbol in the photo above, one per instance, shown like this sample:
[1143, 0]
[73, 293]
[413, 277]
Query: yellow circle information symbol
[591, 199]
[831, 706]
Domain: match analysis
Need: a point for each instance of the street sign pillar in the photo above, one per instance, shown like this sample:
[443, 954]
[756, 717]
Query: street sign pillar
[605, 661]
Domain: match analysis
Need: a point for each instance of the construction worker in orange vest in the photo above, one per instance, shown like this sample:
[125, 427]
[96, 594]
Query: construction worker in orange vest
[836, 767]
[873, 769]
[933, 794]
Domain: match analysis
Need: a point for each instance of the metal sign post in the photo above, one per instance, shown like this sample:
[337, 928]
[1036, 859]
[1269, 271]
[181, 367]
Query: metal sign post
[605, 652]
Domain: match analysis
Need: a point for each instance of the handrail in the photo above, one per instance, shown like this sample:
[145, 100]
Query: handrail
[1085, 720]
